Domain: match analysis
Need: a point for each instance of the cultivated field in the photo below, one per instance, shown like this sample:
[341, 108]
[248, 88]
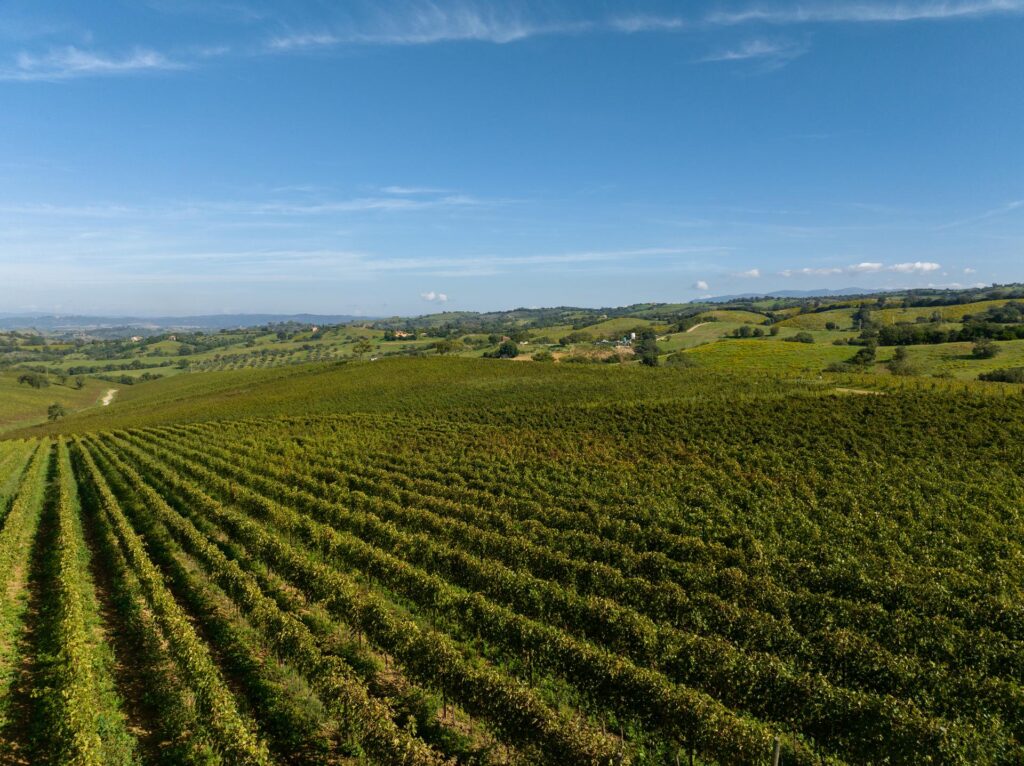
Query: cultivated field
[431, 561]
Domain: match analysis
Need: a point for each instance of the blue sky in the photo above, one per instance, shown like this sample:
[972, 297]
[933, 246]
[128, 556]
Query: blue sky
[405, 156]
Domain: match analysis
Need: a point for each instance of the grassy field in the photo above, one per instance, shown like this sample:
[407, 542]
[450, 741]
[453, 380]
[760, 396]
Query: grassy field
[396, 385]
[956, 359]
[769, 355]
[22, 405]
[948, 313]
[748, 317]
[817, 320]
[615, 328]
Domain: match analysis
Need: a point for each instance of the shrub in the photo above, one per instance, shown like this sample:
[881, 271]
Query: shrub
[900, 363]
[1005, 375]
[984, 349]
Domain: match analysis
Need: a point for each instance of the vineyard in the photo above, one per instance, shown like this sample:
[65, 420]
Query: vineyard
[815, 578]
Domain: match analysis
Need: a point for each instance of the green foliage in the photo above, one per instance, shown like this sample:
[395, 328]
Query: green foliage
[900, 363]
[575, 337]
[34, 379]
[801, 337]
[1007, 375]
[865, 356]
[984, 349]
[508, 349]
[646, 348]
[56, 411]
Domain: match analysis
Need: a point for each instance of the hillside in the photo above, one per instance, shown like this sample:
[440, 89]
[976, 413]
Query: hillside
[747, 550]
[791, 337]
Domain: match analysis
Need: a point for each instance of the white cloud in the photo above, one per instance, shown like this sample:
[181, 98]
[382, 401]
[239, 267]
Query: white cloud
[969, 270]
[701, 285]
[751, 274]
[412, 191]
[865, 267]
[71, 62]
[426, 23]
[862, 13]
[809, 272]
[917, 267]
[763, 50]
[633, 24]
[434, 297]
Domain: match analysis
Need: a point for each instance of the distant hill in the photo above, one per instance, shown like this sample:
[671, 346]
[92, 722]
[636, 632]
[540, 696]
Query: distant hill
[820, 293]
[57, 323]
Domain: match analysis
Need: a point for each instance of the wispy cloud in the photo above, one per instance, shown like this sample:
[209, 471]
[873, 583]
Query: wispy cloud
[425, 23]
[413, 191]
[772, 52]
[70, 62]
[811, 272]
[384, 204]
[305, 266]
[840, 12]
[997, 212]
[750, 274]
[641, 23]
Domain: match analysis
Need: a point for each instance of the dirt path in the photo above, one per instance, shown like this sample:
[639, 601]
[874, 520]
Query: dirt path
[697, 325]
[109, 397]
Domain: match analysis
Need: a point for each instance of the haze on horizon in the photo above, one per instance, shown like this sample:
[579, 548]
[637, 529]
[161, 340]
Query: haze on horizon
[174, 157]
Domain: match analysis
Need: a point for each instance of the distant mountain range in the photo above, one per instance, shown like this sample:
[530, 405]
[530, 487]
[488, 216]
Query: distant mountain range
[70, 323]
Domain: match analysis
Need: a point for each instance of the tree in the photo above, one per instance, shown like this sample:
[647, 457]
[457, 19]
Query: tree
[509, 349]
[362, 347]
[79, 382]
[862, 317]
[900, 363]
[575, 337]
[55, 411]
[444, 347]
[865, 357]
[646, 348]
[34, 379]
[985, 348]
[801, 337]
